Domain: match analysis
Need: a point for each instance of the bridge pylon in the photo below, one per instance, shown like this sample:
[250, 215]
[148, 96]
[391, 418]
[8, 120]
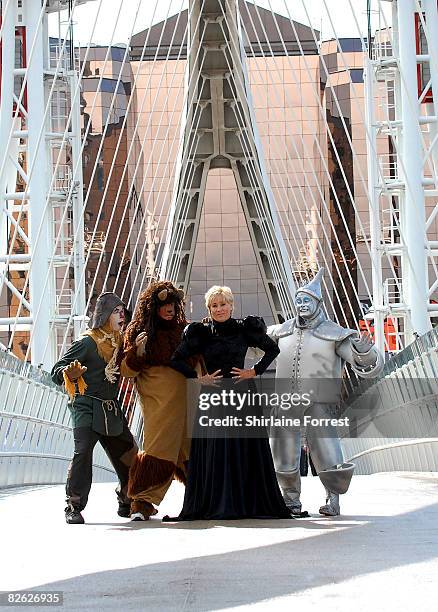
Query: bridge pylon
[220, 131]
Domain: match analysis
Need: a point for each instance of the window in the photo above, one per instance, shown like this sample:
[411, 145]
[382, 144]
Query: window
[100, 175]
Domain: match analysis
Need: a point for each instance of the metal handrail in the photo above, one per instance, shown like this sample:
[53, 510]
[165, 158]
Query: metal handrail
[13, 365]
[36, 445]
[413, 351]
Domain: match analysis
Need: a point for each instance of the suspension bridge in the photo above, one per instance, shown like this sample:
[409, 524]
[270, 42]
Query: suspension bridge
[226, 142]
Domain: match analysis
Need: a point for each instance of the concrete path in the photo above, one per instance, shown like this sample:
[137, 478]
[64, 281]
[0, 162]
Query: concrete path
[380, 555]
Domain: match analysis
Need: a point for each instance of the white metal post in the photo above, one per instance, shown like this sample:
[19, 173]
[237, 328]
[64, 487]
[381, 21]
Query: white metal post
[79, 300]
[43, 296]
[431, 16]
[415, 283]
[7, 182]
[374, 208]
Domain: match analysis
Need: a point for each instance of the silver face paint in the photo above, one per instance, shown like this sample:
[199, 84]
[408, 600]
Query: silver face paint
[306, 305]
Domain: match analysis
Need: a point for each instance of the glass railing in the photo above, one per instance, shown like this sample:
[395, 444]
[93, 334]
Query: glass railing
[414, 351]
[9, 362]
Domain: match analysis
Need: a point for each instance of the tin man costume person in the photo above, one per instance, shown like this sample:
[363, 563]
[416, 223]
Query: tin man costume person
[314, 347]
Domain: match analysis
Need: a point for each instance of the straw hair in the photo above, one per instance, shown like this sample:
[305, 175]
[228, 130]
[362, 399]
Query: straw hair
[216, 290]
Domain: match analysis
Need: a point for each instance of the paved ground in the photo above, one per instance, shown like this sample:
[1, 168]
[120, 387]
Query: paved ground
[381, 555]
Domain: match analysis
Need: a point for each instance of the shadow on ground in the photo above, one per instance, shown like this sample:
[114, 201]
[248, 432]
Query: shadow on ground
[253, 575]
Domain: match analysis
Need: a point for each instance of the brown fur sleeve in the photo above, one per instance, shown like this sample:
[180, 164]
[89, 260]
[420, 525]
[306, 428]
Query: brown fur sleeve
[131, 364]
[197, 363]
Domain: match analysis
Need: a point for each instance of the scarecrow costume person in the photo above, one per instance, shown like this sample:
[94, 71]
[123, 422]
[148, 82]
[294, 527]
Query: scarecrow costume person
[150, 341]
[90, 372]
[313, 353]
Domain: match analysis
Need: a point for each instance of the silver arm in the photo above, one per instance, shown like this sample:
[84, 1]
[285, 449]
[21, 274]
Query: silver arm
[366, 363]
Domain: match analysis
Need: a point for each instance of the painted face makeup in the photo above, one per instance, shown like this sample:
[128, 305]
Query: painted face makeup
[306, 305]
[117, 318]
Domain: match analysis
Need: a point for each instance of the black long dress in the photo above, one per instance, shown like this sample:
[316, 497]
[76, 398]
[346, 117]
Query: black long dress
[229, 478]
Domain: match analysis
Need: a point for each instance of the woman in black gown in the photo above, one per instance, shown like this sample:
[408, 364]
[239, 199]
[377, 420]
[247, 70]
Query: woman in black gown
[228, 478]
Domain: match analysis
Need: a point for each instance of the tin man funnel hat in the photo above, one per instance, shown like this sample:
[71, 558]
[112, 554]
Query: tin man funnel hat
[337, 479]
[313, 288]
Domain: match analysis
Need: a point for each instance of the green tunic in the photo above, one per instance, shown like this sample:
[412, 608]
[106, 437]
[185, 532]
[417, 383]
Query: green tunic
[92, 409]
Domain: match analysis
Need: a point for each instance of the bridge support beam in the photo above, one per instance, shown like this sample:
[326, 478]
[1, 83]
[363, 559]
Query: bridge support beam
[221, 132]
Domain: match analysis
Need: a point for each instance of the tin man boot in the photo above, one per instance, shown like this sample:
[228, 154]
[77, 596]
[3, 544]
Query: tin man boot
[331, 507]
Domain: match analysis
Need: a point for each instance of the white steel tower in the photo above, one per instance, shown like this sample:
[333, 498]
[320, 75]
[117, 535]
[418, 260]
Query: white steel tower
[404, 184]
[41, 235]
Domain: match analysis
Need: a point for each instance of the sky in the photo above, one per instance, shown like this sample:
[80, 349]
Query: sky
[126, 17]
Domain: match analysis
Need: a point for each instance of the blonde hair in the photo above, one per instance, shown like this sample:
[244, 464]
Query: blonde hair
[218, 290]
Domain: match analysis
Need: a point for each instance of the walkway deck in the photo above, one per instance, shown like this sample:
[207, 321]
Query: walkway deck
[382, 554]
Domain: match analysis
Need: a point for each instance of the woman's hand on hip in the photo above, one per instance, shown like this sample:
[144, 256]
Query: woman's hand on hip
[242, 374]
[210, 379]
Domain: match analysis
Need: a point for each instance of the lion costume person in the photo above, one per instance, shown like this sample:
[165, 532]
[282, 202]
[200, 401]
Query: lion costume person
[150, 341]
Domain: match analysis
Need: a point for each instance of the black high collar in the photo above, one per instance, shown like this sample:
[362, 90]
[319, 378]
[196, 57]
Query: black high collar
[224, 328]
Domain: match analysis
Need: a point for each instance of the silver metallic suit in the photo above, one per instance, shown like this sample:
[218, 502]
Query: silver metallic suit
[313, 351]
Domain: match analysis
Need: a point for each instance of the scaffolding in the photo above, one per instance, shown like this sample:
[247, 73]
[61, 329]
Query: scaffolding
[403, 182]
[41, 178]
